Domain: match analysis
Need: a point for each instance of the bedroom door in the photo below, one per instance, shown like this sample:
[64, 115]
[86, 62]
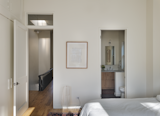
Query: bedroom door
[20, 95]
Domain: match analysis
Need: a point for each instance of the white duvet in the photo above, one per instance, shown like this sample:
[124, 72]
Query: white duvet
[122, 107]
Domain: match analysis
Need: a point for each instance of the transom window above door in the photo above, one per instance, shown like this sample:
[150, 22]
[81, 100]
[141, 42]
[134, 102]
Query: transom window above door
[40, 20]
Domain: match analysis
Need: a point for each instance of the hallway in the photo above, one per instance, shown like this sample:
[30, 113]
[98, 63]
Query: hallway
[42, 101]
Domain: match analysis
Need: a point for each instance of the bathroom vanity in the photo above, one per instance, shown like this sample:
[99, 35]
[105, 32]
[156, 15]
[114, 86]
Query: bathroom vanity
[111, 81]
[108, 80]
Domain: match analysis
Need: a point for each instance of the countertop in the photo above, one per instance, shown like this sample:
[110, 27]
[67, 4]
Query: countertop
[112, 70]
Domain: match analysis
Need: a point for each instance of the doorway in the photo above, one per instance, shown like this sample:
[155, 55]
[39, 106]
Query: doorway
[40, 70]
[112, 63]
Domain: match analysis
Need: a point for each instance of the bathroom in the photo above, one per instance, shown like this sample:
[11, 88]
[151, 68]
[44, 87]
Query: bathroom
[113, 63]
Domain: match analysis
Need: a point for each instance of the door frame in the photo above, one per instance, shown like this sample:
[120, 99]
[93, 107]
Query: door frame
[32, 28]
[39, 28]
[125, 38]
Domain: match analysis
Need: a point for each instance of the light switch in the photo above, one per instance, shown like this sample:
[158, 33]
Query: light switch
[11, 82]
[8, 83]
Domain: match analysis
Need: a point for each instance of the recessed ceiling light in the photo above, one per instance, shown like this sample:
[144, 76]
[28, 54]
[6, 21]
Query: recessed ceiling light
[39, 22]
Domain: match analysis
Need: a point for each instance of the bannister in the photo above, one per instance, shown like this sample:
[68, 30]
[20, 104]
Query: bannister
[45, 79]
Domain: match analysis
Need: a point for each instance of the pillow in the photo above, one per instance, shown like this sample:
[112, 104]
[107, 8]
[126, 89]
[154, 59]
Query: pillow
[158, 98]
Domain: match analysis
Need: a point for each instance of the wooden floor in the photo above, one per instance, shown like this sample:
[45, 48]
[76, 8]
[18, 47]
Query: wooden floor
[42, 101]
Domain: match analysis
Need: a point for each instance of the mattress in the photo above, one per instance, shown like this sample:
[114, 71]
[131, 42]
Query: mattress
[122, 107]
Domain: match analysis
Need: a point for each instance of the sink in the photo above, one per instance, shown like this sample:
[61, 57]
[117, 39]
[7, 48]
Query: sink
[112, 70]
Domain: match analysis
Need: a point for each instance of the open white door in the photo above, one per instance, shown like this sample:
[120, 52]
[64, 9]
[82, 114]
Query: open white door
[20, 104]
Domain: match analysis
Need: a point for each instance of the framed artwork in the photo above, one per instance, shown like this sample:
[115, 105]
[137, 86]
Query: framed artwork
[76, 55]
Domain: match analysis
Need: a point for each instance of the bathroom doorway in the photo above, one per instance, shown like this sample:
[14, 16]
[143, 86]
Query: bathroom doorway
[112, 63]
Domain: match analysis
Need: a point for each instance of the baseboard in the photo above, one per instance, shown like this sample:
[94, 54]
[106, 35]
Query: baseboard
[34, 87]
[71, 107]
[57, 107]
[117, 94]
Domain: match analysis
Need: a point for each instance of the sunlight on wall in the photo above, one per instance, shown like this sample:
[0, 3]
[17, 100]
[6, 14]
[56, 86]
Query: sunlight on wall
[14, 111]
[47, 40]
[44, 55]
[43, 43]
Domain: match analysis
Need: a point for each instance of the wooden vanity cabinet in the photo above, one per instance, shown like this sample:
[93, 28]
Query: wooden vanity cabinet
[108, 81]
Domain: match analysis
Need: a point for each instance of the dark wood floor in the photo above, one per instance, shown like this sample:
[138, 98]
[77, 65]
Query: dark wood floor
[108, 93]
[43, 102]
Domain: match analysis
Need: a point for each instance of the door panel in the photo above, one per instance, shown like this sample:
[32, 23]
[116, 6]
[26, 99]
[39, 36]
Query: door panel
[108, 80]
[21, 52]
[20, 69]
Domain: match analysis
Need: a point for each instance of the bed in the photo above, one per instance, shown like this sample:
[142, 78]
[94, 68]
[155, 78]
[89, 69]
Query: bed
[122, 107]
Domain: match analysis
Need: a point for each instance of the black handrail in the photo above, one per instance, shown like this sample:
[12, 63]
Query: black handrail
[45, 72]
[43, 82]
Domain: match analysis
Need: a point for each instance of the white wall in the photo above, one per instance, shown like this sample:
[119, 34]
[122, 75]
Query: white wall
[44, 51]
[33, 60]
[116, 40]
[82, 20]
[152, 47]
[156, 47]
[12, 9]
[6, 66]
[149, 49]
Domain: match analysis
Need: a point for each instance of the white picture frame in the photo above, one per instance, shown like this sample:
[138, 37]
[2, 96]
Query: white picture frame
[76, 55]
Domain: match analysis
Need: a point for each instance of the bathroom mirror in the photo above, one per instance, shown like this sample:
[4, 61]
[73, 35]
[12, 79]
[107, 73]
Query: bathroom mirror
[109, 55]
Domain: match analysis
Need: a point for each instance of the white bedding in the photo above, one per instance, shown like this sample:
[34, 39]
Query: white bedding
[122, 107]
